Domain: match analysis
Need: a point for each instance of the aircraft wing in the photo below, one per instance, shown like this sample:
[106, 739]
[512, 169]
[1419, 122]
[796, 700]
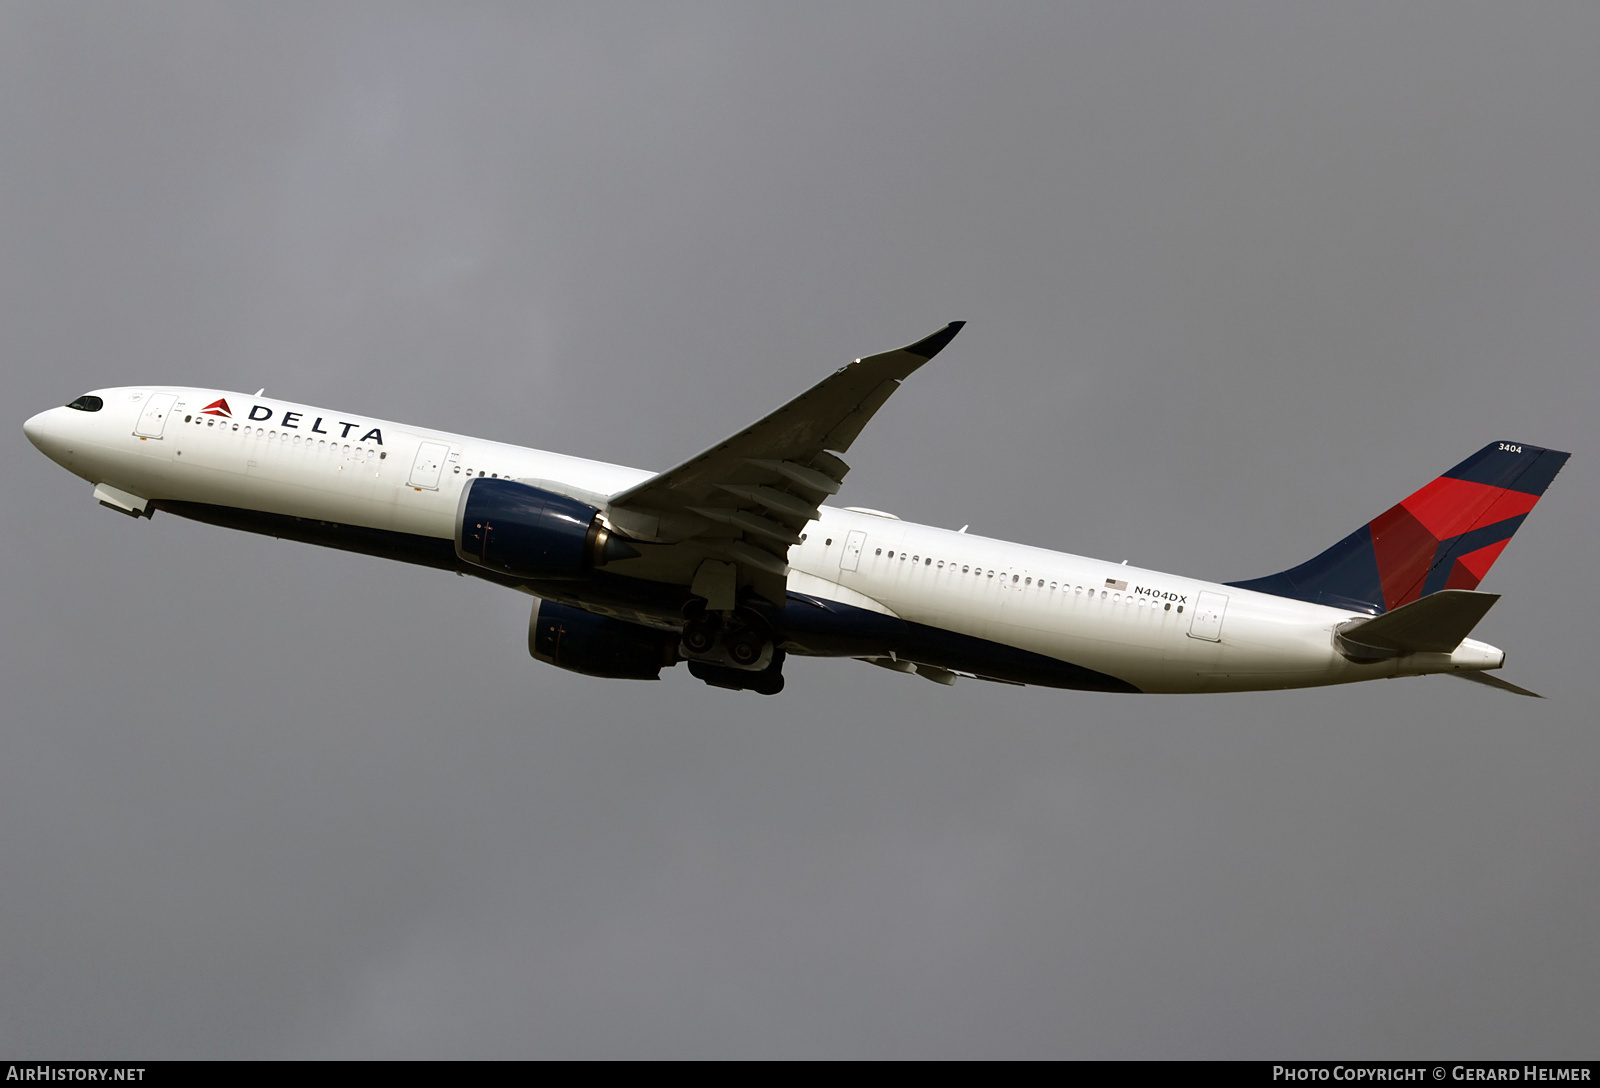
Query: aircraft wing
[745, 500]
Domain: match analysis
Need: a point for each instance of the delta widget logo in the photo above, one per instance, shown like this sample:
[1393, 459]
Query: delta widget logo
[218, 407]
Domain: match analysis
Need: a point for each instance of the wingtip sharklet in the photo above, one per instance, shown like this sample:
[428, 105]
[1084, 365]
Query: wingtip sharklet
[929, 346]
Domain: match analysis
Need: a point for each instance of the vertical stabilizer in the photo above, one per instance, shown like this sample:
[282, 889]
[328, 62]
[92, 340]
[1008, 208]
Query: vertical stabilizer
[1445, 536]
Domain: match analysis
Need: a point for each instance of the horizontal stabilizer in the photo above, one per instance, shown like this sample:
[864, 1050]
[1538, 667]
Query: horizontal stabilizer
[1435, 624]
[1495, 682]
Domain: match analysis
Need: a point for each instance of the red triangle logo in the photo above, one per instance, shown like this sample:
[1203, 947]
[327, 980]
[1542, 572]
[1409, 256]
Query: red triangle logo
[218, 407]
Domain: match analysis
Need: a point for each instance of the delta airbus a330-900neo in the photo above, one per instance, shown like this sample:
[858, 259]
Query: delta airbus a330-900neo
[731, 561]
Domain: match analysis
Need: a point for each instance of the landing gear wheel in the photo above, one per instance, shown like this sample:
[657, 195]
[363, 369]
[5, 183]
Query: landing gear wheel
[768, 681]
[700, 633]
[745, 648]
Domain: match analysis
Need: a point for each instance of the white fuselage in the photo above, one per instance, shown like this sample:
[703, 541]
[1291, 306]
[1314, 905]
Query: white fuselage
[1158, 632]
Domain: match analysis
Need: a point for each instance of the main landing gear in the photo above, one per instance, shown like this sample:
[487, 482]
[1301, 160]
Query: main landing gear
[731, 649]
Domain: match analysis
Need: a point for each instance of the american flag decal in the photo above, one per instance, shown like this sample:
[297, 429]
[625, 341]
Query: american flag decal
[1112, 583]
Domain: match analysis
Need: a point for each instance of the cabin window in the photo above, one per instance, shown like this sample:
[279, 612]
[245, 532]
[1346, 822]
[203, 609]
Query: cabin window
[802, 538]
[891, 553]
[384, 455]
[929, 562]
[878, 552]
[88, 403]
[1180, 608]
[1168, 608]
[941, 564]
[1014, 579]
[826, 543]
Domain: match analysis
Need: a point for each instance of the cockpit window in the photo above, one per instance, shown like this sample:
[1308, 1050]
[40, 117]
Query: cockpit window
[87, 403]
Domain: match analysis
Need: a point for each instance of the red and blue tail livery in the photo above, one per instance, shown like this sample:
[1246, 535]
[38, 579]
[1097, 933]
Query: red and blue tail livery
[1445, 536]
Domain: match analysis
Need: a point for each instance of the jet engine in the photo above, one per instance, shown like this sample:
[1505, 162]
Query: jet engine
[579, 641]
[528, 532]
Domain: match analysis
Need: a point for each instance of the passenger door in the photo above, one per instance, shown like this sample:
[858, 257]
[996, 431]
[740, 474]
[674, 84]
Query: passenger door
[1208, 611]
[850, 558]
[154, 417]
[429, 463]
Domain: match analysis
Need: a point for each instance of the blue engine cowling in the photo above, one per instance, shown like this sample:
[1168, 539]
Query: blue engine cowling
[528, 532]
[579, 641]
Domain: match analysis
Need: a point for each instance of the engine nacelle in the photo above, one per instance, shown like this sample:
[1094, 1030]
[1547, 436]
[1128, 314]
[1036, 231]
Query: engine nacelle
[579, 641]
[528, 532]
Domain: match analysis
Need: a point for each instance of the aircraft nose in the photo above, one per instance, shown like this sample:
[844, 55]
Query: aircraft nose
[34, 428]
[44, 431]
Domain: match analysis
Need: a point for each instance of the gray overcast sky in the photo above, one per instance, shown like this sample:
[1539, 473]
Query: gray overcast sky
[1238, 277]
